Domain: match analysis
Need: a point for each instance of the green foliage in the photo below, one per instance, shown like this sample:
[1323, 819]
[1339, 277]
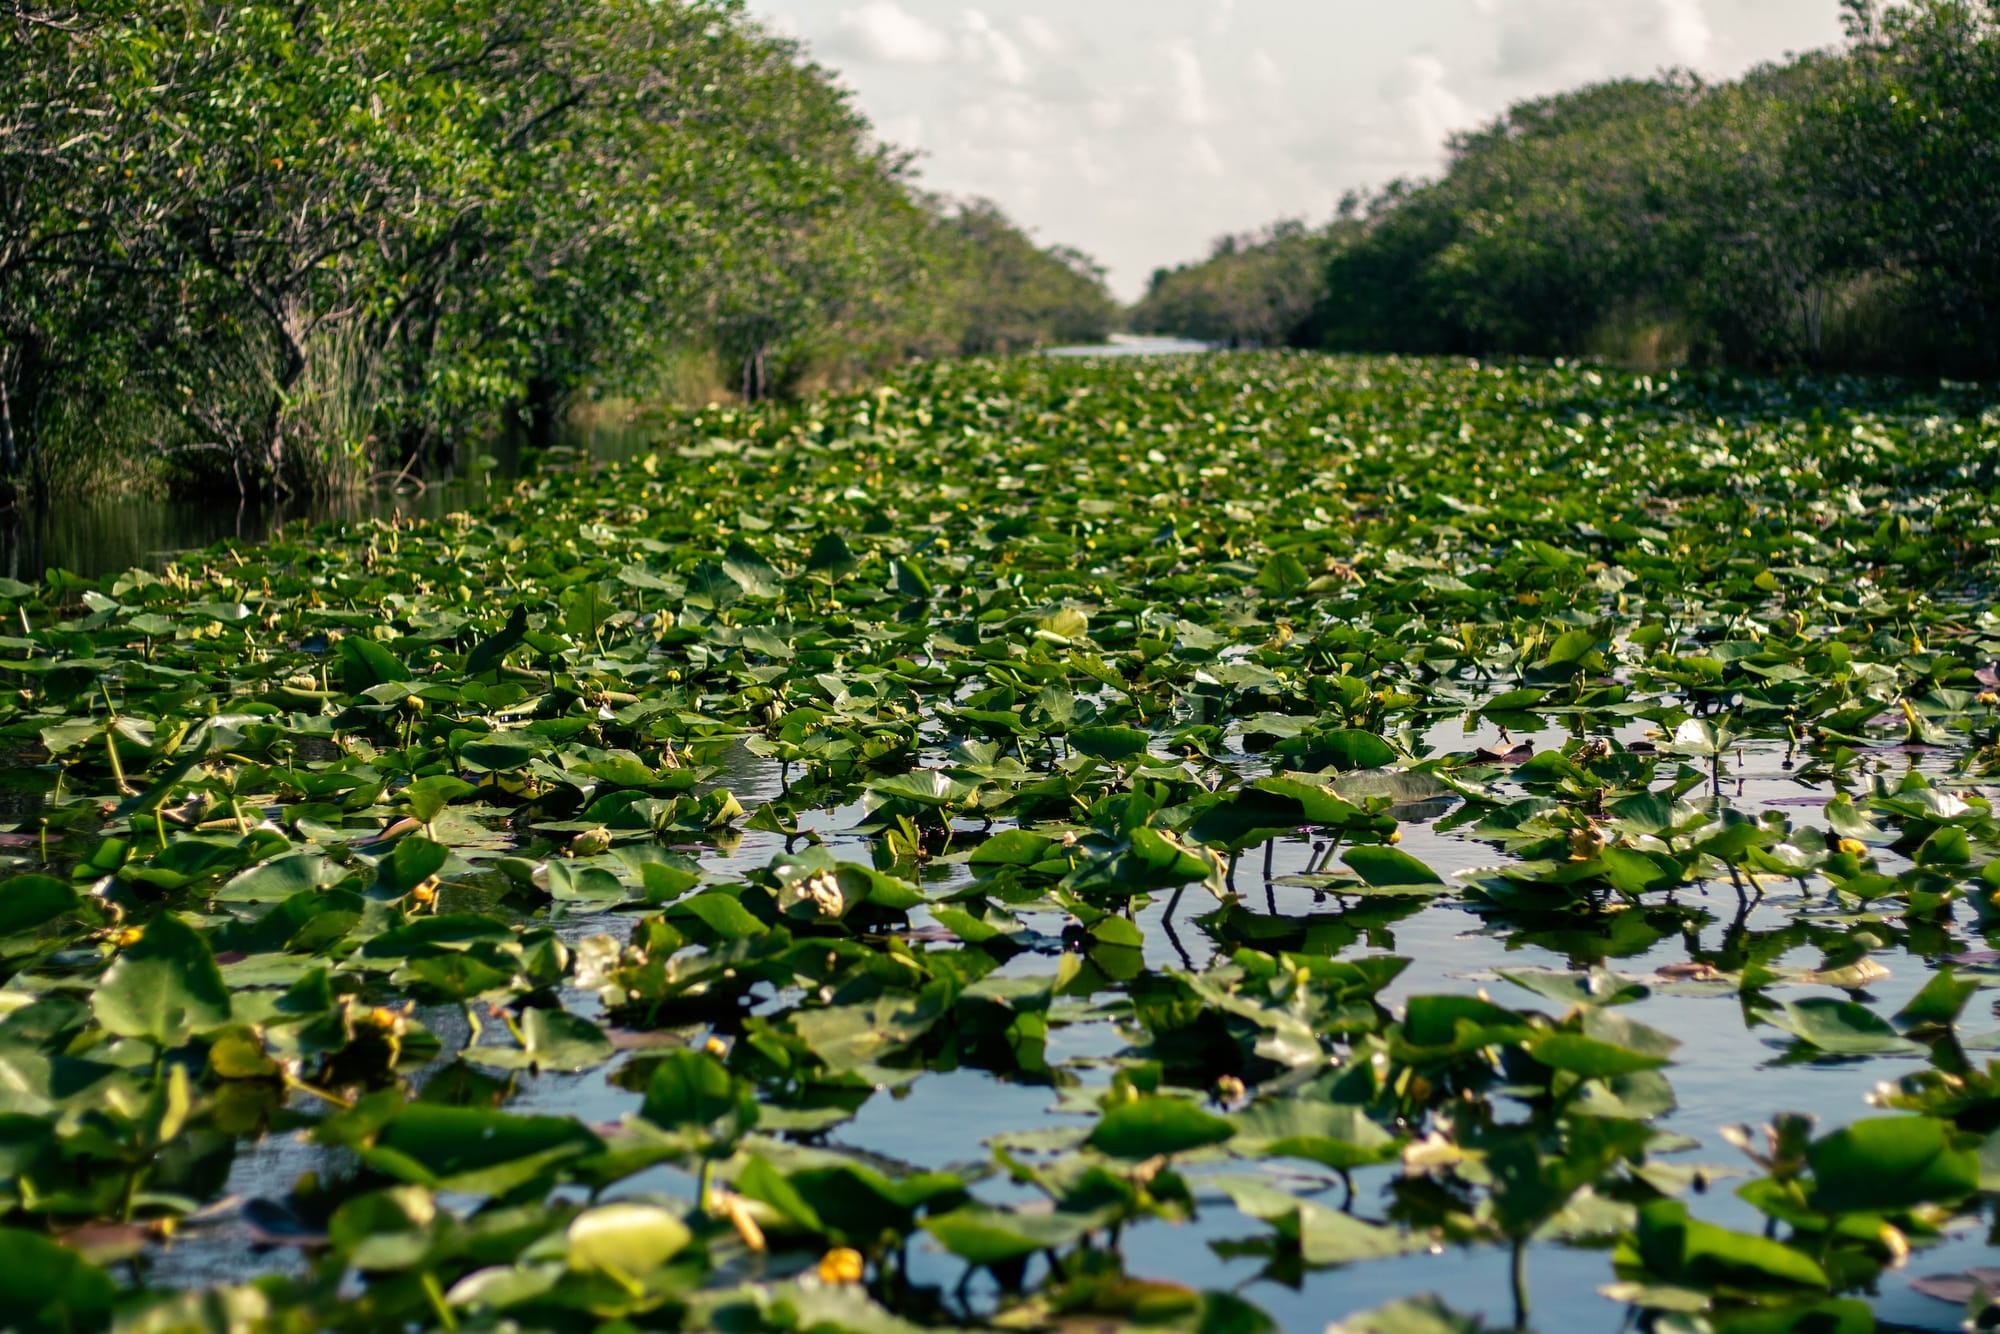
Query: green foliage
[1833, 210]
[1254, 290]
[1001, 293]
[574, 876]
[285, 245]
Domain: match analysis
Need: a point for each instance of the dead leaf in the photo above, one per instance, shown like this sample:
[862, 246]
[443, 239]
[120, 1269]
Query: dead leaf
[1694, 971]
[1960, 1288]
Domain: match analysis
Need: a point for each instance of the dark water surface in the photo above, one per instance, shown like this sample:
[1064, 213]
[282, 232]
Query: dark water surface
[98, 535]
[93, 536]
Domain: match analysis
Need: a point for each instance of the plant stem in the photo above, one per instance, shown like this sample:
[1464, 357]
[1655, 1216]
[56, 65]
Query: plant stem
[436, 1294]
[1519, 1279]
[117, 769]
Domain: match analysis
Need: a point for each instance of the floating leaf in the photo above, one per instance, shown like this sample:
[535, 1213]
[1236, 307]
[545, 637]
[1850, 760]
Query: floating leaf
[1838, 1027]
[1149, 1127]
[1888, 1163]
[985, 1236]
[1390, 868]
[164, 988]
[625, 1240]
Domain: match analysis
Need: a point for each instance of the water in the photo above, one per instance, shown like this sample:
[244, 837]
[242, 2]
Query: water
[1132, 345]
[98, 535]
[1726, 1072]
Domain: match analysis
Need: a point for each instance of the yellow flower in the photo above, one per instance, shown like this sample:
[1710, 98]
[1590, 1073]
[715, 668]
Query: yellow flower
[1586, 843]
[1988, 698]
[716, 1047]
[825, 893]
[1395, 836]
[127, 938]
[1852, 845]
[840, 1265]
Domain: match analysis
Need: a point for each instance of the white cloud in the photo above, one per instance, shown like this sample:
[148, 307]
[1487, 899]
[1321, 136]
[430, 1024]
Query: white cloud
[884, 31]
[1042, 37]
[1202, 157]
[987, 48]
[1267, 84]
[1559, 41]
[1083, 158]
[1432, 112]
[904, 131]
[1140, 129]
[1684, 26]
[1108, 112]
[1189, 85]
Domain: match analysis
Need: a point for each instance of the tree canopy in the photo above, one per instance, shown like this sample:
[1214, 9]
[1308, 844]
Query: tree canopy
[1837, 209]
[288, 243]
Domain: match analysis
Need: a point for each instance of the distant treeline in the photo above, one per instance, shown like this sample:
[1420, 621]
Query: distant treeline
[1842, 209]
[286, 245]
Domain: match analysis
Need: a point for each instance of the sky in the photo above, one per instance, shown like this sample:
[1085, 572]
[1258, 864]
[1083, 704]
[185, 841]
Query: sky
[1140, 130]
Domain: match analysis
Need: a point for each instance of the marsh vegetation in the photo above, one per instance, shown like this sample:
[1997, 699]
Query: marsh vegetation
[958, 854]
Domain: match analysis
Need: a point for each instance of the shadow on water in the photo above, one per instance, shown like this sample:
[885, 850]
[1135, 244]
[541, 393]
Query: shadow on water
[93, 536]
[97, 535]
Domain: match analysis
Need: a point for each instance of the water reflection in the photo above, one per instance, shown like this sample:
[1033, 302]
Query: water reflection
[94, 536]
[1132, 345]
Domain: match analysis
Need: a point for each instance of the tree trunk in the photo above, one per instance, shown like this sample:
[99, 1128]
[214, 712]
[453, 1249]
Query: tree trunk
[291, 369]
[757, 375]
[544, 411]
[9, 458]
[20, 390]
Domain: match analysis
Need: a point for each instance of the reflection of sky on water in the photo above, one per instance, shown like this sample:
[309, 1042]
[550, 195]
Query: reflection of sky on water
[1725, 1071]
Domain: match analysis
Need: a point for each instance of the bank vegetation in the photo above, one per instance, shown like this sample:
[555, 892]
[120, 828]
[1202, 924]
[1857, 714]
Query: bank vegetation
[284, 246]
[1839, 209]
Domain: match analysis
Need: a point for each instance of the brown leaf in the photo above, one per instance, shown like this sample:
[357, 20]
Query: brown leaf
[1954, 1288]
[632, 1039]
[107, 1243]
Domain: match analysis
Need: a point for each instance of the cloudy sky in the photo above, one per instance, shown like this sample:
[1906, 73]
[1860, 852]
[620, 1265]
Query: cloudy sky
[1140, 129]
